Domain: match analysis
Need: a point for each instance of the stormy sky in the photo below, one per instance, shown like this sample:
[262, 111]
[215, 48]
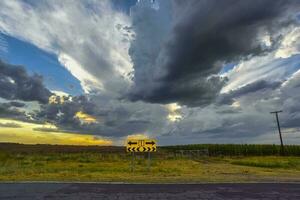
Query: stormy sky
[197, 71]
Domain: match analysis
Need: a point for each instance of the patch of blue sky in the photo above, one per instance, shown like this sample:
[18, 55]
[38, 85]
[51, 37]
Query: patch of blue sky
[298, 16]
[123, 5]
[291, 64]
[35, 60]
[227, 67]
[3, 46]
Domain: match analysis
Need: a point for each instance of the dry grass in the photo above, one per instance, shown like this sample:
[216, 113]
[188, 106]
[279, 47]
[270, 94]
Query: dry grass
[95, 166]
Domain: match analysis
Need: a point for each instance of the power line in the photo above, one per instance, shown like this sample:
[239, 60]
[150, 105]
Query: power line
[279, 130]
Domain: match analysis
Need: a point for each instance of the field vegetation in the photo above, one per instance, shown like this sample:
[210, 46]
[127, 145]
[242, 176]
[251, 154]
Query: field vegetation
[106, 164]
[239, 149]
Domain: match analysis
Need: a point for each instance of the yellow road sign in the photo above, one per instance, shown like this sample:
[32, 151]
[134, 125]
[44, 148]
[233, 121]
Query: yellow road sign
[146, 145]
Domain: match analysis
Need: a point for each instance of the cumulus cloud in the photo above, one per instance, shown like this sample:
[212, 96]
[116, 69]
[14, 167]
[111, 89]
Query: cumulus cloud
[8, 111]
[290, 101]
[86, 114]
[245, 117]
[87, 36]
[290, 44]
[16, 84]
[261, 68]
[106, 117]
[228, 98]
[204, 35]
[15, 104]
[164, 52]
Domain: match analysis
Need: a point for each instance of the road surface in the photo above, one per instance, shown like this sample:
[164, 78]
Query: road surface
[88, 191]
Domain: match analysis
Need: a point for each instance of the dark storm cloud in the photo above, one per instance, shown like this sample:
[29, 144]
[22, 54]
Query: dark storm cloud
[63, 113]
[11, 110]
[114, 118]
[291, 121]
[228, 98]
[8, 111]
[16, 84]
[15, 104]
[126, 127]
[205, 35]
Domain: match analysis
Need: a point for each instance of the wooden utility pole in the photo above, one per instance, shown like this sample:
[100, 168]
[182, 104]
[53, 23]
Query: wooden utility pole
[279, 130]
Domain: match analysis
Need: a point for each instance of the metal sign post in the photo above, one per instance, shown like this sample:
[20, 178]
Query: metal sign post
[149, 161]
[132, 162]
[135, 145]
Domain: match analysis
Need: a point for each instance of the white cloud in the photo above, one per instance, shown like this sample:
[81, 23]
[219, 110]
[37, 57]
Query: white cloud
[266, 67]
[92, 40]
[174, 112]
[87, 36]
[275, 65]
[87, 80]
[60, 93]
[290, 44]
[294, 80]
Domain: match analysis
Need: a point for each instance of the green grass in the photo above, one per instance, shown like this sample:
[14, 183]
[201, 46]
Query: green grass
[270, 162]
[94, 166]
[239, 149]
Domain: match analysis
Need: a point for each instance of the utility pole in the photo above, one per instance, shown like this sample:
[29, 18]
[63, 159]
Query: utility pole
[278, 125]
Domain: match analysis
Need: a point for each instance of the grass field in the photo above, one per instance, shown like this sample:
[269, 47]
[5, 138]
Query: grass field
[63, 163]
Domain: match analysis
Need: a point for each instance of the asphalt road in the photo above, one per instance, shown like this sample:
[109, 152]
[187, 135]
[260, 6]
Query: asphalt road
[88, 191]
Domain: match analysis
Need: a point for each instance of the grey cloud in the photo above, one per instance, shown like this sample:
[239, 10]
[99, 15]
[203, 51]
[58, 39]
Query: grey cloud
[64, 113]
[205, 35]
[290, 120]
[7, 111]
[242, 126]
[229, 111]
[15, 104]
[100, 61]
[249, 121]
[16, 84]
[45, 129]
[177, 52]
[228, 98]
[56, 130]
[290, 98]
[10, 125]
[115, 118]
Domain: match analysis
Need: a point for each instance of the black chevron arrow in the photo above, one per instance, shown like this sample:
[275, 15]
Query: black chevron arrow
[152, 142]
[153, 149]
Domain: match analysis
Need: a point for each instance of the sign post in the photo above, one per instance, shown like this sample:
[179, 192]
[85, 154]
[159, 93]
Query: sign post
[149, 161]
[136, 145]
